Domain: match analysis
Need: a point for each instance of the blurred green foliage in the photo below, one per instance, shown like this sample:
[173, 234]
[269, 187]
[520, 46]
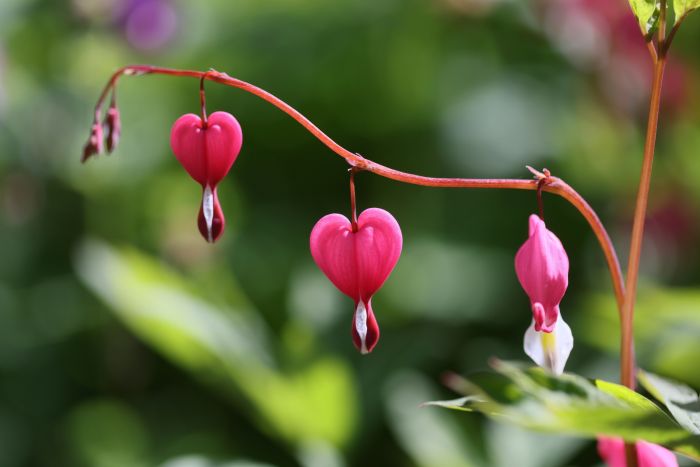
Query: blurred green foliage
[125, 339]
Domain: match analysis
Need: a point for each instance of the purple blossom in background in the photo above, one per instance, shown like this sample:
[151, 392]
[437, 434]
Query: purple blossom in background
[148, 25]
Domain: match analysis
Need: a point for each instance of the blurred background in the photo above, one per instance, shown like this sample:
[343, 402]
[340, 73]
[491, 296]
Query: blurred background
[126, 340]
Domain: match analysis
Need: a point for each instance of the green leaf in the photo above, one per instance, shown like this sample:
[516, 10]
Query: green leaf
[225, 346]
[570, 404]
[682, 8]
[681, 401]
[647, 13]
[461, 403]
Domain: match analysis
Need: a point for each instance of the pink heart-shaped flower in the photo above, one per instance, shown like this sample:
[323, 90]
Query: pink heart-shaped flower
[358, 263]
[206, 152]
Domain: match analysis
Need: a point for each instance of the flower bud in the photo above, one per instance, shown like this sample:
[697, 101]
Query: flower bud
[114, 128]
[95, 143]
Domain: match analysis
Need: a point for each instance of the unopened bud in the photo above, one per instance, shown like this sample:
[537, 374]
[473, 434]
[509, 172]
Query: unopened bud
[114, 128]
[95, 143]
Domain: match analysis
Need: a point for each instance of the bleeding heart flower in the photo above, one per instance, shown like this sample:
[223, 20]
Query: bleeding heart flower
[358, 262]
[612, 451]
[207, 150]
[543, 270]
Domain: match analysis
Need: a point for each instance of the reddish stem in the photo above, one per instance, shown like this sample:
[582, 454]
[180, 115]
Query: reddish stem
[353, 205]
[554, 185]
[627, 359]
[203, 101]
[543, 180]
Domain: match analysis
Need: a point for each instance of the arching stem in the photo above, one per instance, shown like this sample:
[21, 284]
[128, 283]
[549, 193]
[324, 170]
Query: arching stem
[553, 185]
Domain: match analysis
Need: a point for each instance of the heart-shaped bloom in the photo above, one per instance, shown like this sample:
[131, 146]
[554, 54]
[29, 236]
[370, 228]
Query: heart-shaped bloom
[358, 262]
[612, 451]
[543, 271]
[207, 151]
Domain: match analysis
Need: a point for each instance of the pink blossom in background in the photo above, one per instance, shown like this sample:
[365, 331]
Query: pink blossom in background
[612, 451]
[358, 263]
[604, 37]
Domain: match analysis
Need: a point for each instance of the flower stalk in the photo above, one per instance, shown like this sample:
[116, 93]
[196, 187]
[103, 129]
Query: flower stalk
[552, 185]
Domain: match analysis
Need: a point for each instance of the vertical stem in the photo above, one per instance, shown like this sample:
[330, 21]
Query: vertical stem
[203, 100]
[627, 363]
[353, 205]
[546, 178]
[631, 455]
[540, 204]
[627, 368]
[627, 359]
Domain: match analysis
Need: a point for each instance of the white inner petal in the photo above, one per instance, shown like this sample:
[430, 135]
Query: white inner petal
[361, 325]
[551, 350]
[208, 209]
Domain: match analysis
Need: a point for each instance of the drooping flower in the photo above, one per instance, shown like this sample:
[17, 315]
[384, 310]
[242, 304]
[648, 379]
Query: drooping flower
[612, 451]
[207, 151]
[358, 262]
[543, 271]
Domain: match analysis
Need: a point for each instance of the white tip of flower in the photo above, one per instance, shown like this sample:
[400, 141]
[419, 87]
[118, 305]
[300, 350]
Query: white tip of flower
[208, 210]
[361, 326]
[550, 350]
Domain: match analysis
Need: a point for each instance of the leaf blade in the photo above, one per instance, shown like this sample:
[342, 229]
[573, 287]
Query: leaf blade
[681, 401]
[647, 13]
[683, 8]
[573, 405]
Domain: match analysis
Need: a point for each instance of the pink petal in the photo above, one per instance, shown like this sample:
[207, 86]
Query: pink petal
[206, 153]
[187, 142]
[224, 141]
[333, 248]
[357, 263]
[612, 451]
[378, 248]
